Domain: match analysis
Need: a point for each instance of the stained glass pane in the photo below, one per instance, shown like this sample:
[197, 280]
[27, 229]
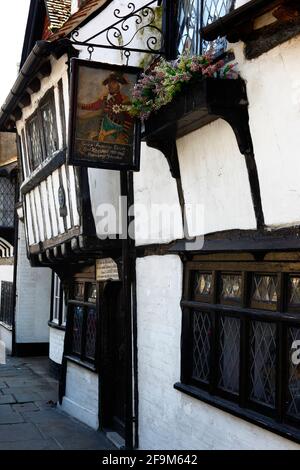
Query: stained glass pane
[294, 290]
[201, 345]
[192, 16]
[77, 329]
[7, 203]
[265, 289]
[90, 349]
[203, 284]
[189, 26]
[35, 143]
[294, 373]
[229, 372]
[49, 127]
[263, 362]
[231, 287]
[212, 11]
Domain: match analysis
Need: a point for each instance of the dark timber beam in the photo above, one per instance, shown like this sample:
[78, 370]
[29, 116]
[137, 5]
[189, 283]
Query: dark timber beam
[34, 86]
[25, 100]
[44, 70]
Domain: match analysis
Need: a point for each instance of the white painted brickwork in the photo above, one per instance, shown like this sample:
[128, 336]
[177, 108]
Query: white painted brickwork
[33, 298]
[170, 419]
[57, 338]
[81, 398]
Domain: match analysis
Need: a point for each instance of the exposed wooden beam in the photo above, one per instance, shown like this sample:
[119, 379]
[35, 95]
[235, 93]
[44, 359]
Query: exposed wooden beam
[44, 70]
[25, 100]
[34, 86]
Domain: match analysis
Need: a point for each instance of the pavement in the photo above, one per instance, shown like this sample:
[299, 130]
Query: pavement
[29, 417]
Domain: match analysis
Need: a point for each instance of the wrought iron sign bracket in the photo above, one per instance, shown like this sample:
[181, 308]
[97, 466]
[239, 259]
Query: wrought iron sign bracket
[122, 35]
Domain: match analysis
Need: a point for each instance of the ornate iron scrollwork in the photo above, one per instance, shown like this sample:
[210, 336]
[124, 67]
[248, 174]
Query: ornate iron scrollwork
[122, 34]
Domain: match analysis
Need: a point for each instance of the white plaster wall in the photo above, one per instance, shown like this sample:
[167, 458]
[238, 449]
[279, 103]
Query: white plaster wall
[215, 181]
[273, 88]
[156, 200]
[105, 191]
[81, 398]
[56, 346]
[104, 20]
[6, 337]
[33, 298]
[193, 424]
[7, 272]
[240, 3]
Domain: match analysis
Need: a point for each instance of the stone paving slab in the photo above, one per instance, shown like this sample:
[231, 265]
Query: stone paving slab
[19, 432]
[26, 382]
[9, 416]
[25, 396]
[25, 407]
[70, 437]
[7, 399]
[39, 444]
[35, 421]
[45, 417]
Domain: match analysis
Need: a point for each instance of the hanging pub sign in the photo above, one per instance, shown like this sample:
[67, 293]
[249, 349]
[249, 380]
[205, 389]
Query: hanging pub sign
[102, 134]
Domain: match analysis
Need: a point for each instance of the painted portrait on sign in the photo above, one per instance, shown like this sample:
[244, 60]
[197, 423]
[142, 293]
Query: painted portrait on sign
[103, 133]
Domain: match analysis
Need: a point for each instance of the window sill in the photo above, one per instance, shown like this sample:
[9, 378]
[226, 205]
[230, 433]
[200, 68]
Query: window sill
[81, 363]
[56, 326]
[7, 327]
[253, 417]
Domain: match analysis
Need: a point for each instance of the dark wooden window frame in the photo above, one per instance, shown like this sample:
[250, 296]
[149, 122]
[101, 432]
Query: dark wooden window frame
[81, 358]
[7, 304]
[48, 98]
[284, 317]
[60, 323]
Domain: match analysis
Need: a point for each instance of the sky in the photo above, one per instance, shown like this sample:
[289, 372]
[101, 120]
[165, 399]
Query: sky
[13, 15]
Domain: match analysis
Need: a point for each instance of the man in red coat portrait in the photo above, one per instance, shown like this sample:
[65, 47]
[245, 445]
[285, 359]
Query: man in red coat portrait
[116, 124]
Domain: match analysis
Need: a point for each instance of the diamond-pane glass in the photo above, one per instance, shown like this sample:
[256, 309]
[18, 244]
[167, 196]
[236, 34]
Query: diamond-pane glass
[91, 328]
[263, 362]
[192, 16]
[203, 284]
[7, 203]
[49, 129]
[231, 286]
[294, 290]
[77, 329]
[201, 345]
[265, 289]
[294, 373]
[35, 143]
[229, 354]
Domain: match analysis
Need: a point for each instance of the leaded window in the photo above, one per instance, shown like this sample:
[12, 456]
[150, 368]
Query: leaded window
[7, 202]
[241, 336]
[193, 15]
[41, 129]
[7, 303]
[83, 321]
[58, 307]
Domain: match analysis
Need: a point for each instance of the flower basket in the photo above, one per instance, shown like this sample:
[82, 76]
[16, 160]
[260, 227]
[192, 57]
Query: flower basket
[198, 104]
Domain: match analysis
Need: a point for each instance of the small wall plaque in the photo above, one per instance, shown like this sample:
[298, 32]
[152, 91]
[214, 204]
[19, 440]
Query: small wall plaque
[107, 270]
